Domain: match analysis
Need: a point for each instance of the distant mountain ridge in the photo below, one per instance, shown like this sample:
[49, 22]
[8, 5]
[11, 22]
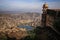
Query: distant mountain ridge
[12, 12]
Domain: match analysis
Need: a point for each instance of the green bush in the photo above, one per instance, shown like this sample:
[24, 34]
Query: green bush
[3, 37]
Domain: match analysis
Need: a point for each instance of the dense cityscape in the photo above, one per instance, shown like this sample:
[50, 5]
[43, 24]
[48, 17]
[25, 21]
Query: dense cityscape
[31, 23]
[14, 20]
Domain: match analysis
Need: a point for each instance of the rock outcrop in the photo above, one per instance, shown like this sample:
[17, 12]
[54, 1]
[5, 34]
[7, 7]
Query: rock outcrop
[17, 33]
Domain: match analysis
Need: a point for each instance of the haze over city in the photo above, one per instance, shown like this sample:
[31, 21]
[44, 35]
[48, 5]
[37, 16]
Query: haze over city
[29, 19]
[27, 5]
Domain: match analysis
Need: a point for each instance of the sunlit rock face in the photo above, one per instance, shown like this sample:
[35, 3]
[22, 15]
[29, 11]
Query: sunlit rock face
[17, 33]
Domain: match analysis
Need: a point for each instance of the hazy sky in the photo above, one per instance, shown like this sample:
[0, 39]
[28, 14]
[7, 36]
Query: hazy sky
[27, 5]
